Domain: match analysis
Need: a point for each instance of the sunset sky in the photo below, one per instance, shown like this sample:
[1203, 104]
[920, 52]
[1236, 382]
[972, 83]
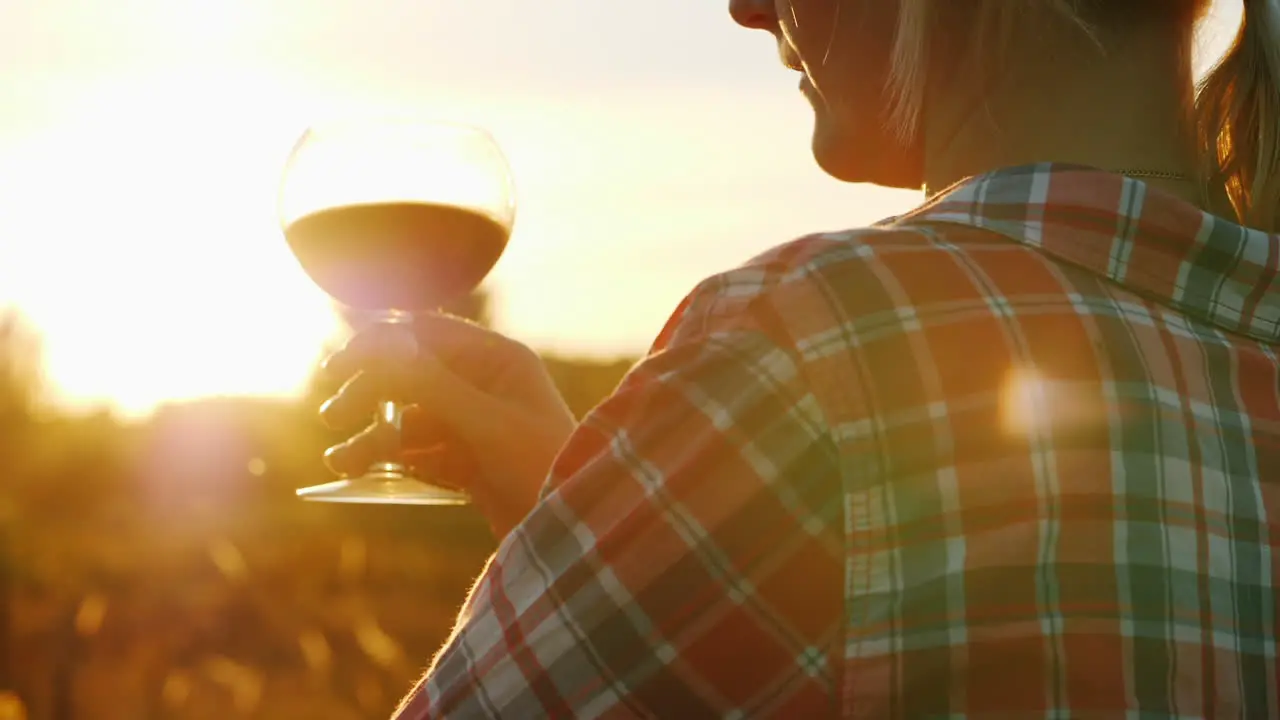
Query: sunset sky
[141, 141]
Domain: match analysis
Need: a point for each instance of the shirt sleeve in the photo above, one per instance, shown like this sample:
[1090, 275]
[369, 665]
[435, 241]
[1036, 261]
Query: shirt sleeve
[685, 559]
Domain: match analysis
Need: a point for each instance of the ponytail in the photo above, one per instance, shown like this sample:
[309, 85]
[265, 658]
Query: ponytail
[1238, 119]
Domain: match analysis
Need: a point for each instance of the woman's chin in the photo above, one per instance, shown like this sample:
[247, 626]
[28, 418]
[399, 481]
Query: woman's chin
[875, 156]
[833, 154]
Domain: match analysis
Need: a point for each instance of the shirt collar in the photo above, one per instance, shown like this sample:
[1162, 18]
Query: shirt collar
[1145, 239]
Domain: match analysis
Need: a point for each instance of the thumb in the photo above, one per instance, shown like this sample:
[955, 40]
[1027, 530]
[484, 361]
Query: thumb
[474, 415]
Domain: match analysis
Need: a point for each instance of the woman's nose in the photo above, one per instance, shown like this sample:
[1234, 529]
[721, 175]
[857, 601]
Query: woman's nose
[754, 14]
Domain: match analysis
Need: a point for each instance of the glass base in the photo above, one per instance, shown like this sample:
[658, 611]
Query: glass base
[383, 484]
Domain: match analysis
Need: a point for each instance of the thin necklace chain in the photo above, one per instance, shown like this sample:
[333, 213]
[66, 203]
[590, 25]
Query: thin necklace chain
[1154, 174]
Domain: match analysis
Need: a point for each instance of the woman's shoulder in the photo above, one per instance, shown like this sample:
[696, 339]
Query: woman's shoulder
[798, 288]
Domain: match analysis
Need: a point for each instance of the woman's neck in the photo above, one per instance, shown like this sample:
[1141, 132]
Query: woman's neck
[1127, 110]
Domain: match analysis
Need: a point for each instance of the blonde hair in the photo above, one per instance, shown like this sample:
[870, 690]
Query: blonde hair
[1237, 105]
[1238, 113]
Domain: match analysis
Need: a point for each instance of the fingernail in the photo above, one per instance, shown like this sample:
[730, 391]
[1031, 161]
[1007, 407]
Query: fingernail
[326, 416]
[329, 458]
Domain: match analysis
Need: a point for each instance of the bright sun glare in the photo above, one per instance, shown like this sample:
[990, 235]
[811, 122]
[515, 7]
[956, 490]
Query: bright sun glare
[150, 258]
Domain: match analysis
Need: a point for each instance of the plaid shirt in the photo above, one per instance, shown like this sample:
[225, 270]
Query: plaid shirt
[1015, 454]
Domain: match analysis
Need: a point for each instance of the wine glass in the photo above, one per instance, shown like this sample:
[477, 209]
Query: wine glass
[390, 218]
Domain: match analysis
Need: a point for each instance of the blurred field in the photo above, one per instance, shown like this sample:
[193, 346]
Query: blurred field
[166, 570]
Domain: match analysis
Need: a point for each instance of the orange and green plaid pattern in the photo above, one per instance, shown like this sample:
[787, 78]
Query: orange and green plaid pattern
[1015, 454]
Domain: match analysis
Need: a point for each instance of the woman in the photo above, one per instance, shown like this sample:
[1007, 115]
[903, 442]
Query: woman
[1014, 454]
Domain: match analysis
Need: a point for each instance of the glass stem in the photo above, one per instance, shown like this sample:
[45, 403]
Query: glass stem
[390, 417]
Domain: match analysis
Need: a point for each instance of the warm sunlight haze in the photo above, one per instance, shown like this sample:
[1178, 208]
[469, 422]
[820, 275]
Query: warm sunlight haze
[141, 150]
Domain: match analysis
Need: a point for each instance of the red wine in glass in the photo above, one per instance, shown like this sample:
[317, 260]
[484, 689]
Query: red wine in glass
[407, 255]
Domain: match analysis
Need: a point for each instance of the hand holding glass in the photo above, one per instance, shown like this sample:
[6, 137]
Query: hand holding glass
[394, 218]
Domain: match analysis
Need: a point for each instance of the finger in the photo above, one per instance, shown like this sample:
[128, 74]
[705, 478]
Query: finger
[430, 444]
[358, 399]
[447, 335]
[379, 345]
[446, 401]
[421, 430]
[447, 465]
[455, 404]
[356, 454]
